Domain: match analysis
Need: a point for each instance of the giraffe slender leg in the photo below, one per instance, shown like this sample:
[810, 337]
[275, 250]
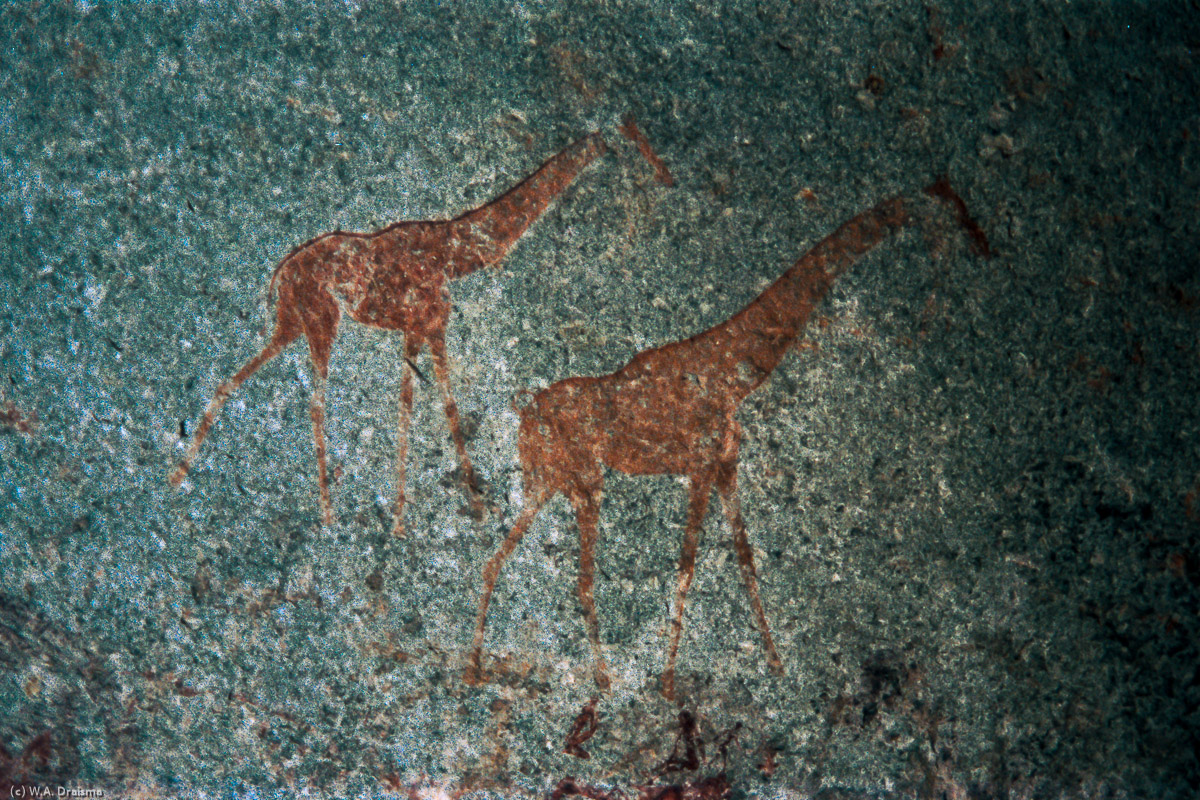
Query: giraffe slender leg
[491, 573]
[320, 328]
[412, 349]
[284, 335]
[316, 410]
[701, 490]
[727, 488]
[437, 349]
[586, 501]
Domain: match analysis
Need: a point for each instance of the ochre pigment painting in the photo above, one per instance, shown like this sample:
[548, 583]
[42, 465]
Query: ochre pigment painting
[911, 289]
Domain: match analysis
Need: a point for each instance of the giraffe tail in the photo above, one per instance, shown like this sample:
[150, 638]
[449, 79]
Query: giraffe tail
[273, 287]
[277, 275]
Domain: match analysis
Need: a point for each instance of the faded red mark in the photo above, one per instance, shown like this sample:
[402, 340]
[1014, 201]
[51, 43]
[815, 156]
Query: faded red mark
[16, 771]
[568, 787]
[1137, 355]
[168, 682]
[936, 32]
[713, 787]
[85, 65]
[283, 715]
[630, 130]
[584, 728]
[1028, 83]
[575, 67]
[672, 410]
[395, 279]
[1102, 380]
[394, 783]
[768, 765]
[1180, 297]
[14, 419]
[1191, 503]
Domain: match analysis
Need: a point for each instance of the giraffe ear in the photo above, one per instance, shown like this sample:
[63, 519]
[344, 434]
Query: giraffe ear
[630, 130]
[976, 238]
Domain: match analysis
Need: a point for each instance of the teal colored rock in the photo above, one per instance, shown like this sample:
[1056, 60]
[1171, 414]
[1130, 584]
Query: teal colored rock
[969, 485]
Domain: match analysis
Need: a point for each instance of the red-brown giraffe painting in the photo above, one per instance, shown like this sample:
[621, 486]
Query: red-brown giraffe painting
[395, 279]
[672, 410]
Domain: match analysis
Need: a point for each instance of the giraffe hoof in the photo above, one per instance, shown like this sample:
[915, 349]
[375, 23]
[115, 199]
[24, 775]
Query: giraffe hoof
[397, 531]
[477, 509]
[473, 674]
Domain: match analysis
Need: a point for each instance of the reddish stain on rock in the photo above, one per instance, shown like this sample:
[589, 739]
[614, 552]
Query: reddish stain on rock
[14, 419]
[16, 771]
[1191, 503]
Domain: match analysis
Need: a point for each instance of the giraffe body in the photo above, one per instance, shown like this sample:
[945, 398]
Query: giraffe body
[395, 279]
[672, 410]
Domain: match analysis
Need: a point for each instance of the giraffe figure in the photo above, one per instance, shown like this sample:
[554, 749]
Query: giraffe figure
[395, 279]
[672, 410]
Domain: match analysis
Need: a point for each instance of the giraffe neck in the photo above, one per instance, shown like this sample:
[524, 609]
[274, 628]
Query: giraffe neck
[741, 352]
[486, 234]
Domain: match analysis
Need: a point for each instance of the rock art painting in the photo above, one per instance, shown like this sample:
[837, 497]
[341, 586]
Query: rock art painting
[647, 420]
[672, 411]
[687, 774]
[395, 279]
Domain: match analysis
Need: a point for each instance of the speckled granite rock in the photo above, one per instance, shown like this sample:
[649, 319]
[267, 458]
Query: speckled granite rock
[972, 490]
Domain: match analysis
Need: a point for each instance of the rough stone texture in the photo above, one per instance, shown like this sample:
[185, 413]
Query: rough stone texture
[973, 491]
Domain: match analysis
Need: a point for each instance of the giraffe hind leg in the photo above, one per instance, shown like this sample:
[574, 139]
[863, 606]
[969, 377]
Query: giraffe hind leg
[320, 328]
[727, 487]
[437, 350]
[285, 333]
[316, 412]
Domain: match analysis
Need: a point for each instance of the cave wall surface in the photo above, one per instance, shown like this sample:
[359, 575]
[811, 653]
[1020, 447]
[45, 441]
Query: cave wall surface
[971, 486]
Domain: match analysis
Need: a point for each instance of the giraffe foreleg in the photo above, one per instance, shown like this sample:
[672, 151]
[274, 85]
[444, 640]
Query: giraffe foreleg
[586, 501]
[284, 335]
[701, 490]
[412, 349]
[491, 573]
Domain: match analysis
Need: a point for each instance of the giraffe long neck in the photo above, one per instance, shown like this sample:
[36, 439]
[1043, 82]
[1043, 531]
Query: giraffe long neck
[743, 350]
[487, 233]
